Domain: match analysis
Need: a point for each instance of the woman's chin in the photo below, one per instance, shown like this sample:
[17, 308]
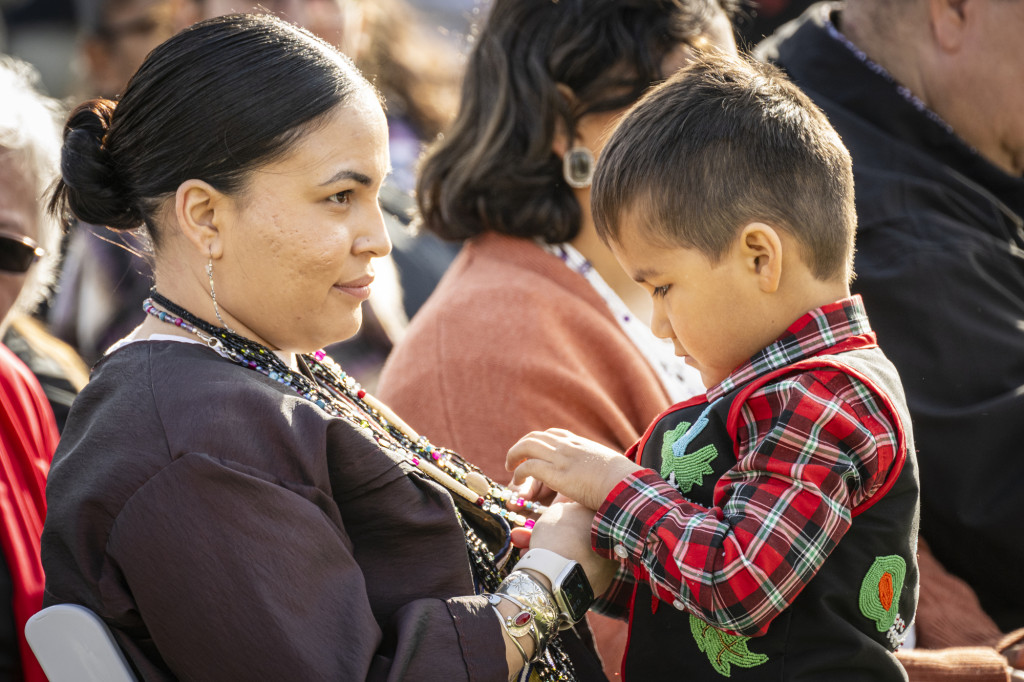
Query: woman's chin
[322, 338]
[345, 332]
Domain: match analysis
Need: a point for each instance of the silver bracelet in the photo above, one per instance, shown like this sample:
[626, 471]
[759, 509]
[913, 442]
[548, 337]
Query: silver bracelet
[535, 601]
[515, 640]
[521, 623]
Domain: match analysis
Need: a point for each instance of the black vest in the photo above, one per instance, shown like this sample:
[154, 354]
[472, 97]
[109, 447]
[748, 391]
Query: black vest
[847, 621]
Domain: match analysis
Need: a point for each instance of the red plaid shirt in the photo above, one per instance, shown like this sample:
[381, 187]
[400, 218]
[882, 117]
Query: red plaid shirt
[831, 444]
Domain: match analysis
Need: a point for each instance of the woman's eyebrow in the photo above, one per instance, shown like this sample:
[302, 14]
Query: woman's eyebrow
[361, 178]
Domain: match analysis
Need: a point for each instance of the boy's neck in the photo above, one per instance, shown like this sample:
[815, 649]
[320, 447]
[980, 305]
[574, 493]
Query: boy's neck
[810, 294]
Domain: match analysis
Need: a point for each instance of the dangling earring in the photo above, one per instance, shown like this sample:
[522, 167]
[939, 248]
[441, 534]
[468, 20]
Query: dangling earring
[578, 167]
[213, 295]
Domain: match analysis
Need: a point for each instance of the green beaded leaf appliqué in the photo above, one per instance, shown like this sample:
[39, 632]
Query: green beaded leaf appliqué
[724, 650]
[688, 469]
[880, 590]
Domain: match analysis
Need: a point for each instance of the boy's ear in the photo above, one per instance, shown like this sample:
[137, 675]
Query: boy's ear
[761, 249]
[201, 210]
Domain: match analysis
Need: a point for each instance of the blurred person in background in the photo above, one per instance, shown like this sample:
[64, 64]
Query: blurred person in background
[29, 240]
[760, 18]
[419, 74]
[535, 325]
[41, 33]
[116, 35]
[57, 367]
[104, 276]
[927, 95]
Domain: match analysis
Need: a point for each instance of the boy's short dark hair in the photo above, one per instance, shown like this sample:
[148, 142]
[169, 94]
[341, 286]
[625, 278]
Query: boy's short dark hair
[722, 143]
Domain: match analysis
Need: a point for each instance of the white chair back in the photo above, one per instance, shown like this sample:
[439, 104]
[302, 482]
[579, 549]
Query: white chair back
[72, 644]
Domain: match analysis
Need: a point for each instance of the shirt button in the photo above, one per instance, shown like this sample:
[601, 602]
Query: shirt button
[679, 605]
[621, 552]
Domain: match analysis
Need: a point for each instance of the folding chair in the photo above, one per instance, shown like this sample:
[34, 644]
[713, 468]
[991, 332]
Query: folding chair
[72, 644]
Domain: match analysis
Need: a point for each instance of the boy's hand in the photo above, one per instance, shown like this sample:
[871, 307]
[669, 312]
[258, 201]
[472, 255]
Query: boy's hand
[578, 468]
[532, 489]
[565, 528]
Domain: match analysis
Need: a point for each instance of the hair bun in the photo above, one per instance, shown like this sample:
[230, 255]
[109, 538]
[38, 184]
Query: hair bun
[92, 188]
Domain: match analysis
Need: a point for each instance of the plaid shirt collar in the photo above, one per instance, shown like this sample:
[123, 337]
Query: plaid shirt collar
[812, 333]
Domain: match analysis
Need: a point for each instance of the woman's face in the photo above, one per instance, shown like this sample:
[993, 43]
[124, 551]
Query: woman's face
[18, 219]
[299, 240]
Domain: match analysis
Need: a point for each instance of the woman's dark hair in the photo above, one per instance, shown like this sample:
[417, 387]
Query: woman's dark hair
[495, 169]
[212, 103]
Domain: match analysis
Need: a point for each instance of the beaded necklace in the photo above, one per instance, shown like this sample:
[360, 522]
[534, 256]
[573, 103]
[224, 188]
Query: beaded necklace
[340, 395]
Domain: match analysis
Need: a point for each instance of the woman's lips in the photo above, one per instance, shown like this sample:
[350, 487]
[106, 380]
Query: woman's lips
[357, 288]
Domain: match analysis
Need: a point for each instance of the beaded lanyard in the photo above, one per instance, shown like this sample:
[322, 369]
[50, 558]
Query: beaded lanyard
[340, 395]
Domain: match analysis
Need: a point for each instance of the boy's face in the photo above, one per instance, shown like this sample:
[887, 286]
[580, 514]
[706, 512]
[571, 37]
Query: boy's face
[713, 313]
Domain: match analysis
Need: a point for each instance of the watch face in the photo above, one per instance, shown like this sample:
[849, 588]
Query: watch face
[576, 593]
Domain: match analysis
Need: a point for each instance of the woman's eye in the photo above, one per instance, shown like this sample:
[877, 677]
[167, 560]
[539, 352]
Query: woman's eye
[660, 291]
[341, 197]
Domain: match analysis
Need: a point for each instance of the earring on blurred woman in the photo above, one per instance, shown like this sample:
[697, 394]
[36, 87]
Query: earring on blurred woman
[213, 295]
[578, 167]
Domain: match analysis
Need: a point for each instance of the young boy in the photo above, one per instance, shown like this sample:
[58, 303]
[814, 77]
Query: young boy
[766, 530]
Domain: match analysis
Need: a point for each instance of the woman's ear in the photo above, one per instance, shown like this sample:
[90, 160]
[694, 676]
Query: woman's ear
[561, 142]
[201, 212]
[761, 249]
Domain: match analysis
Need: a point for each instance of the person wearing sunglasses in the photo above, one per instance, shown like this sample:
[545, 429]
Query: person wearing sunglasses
[18, 254]
[29, 149]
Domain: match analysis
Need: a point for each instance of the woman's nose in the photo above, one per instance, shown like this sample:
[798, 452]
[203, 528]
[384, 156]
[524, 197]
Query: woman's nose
[373, 238]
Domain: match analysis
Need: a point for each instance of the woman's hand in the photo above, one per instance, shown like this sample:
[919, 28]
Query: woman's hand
[565, 528]
[576, 467]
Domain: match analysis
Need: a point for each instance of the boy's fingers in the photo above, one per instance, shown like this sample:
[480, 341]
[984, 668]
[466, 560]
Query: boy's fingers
[528, 447]
[519, 475]
[535, 468]
[530, 489]
[516, 456]
[513, 456]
